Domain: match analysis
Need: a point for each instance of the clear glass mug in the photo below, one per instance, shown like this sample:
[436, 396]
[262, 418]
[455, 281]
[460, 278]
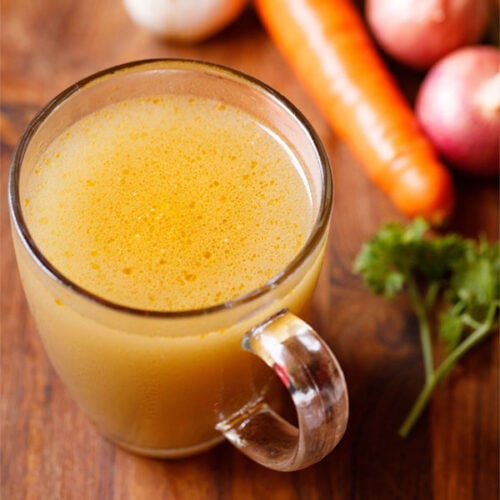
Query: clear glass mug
[174, 383]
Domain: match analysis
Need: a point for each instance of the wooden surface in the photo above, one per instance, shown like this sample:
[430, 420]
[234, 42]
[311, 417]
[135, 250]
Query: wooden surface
[48, 448]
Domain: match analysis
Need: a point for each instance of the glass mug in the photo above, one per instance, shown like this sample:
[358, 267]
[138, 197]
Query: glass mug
[172, 383]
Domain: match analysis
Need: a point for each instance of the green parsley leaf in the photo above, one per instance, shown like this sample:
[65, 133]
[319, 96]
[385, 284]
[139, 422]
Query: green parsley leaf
[447, 277]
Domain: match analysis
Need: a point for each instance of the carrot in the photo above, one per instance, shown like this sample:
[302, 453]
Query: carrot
[327, 45]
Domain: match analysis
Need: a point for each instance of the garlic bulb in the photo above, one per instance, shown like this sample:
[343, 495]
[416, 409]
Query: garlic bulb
[184, 20]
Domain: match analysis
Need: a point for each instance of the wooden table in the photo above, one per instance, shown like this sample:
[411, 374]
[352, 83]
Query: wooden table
[49, 450]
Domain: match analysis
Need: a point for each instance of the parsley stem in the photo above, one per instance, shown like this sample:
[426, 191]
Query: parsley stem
[431, 294]
[424, 327]
[449, 362]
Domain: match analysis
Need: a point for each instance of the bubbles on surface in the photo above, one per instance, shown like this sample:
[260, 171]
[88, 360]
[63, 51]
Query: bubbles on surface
[158, 203]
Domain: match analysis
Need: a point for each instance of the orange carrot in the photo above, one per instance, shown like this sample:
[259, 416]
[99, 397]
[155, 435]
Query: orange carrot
[328, 47]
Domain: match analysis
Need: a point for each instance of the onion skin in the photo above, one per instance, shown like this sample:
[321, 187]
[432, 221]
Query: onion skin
[420, 32]
[458, 107]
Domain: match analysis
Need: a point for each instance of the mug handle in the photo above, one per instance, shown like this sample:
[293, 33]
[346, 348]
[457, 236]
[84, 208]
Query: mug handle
[308, 369]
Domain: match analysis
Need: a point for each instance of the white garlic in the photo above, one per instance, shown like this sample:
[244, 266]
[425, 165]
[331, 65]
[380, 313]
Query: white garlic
[184, 20]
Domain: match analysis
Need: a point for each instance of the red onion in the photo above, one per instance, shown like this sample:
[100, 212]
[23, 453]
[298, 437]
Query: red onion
[420, 32]
[458, 106]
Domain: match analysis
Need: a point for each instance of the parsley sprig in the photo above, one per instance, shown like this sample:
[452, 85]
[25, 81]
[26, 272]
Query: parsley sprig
[453, 287]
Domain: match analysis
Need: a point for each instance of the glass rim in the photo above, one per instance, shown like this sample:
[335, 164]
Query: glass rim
[315, 236]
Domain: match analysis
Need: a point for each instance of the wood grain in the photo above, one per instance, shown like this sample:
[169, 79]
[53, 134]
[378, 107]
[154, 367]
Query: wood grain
[49, 450]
